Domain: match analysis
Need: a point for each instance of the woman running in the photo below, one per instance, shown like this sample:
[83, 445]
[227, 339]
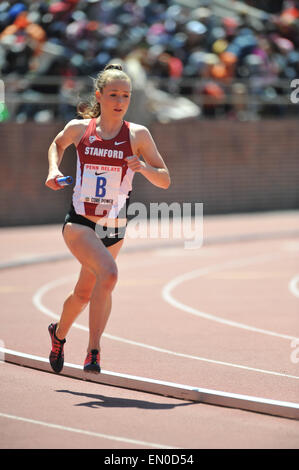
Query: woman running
[109, 151]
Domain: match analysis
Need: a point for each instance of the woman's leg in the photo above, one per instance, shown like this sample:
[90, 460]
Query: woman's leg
[97, 325]
[95, 284]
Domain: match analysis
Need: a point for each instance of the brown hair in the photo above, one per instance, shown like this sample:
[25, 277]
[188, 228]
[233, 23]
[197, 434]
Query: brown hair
[91, 108]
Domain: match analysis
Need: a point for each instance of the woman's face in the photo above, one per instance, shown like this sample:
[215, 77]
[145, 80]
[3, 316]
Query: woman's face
[115, 98]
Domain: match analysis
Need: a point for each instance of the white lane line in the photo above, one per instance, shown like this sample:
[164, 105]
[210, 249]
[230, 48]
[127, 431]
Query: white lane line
[294, 286]
[170, 286]
[84, 432]
[38, 302]
[197, 358]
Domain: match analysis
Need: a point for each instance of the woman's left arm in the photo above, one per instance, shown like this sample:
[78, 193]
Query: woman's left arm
[153, 167]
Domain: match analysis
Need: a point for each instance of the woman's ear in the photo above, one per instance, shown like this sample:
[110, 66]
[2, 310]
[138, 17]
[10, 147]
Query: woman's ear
[98, 96]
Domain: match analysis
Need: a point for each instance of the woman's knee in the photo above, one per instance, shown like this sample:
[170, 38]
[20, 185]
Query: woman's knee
[107, 276]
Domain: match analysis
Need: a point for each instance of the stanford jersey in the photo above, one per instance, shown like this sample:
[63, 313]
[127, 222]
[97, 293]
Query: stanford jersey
[103, 179]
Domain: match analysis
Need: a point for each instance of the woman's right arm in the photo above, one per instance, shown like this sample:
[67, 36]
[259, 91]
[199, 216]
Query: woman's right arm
[68, 136]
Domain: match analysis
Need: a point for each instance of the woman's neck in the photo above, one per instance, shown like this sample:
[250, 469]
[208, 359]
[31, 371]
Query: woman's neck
[108, 128]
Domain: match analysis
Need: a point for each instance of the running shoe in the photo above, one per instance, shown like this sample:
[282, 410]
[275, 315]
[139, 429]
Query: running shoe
[56, 356]
[92, 361]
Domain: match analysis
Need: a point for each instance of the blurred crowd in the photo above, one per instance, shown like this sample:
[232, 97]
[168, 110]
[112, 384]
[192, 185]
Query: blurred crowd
[183, 50]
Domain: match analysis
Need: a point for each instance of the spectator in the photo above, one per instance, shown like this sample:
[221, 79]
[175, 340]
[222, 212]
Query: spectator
[176, 45]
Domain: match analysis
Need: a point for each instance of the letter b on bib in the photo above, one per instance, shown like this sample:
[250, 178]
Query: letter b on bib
[101, 186]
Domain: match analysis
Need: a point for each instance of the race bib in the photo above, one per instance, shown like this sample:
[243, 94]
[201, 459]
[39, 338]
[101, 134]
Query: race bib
[100, 184]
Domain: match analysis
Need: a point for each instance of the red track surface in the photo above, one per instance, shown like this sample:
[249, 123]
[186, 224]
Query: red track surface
[229, 327]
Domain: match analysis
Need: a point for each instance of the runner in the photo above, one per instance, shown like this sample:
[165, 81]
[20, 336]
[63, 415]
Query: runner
[109, 152]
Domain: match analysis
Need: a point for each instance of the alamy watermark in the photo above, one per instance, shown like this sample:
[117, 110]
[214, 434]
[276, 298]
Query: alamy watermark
[295, 353]
[161, 220]
[294, 96]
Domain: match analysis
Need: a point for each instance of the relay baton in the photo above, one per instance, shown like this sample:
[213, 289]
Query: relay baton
[64, 180]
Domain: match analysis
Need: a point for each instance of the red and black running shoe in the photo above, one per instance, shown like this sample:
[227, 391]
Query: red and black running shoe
[56, 356]
[92, 362]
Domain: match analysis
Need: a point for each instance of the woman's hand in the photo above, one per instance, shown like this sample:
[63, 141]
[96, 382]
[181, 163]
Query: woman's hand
[135, 164]
[156, 175]
[50, 181]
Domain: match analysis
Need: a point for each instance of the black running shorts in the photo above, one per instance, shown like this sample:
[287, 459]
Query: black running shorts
[109, 235]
